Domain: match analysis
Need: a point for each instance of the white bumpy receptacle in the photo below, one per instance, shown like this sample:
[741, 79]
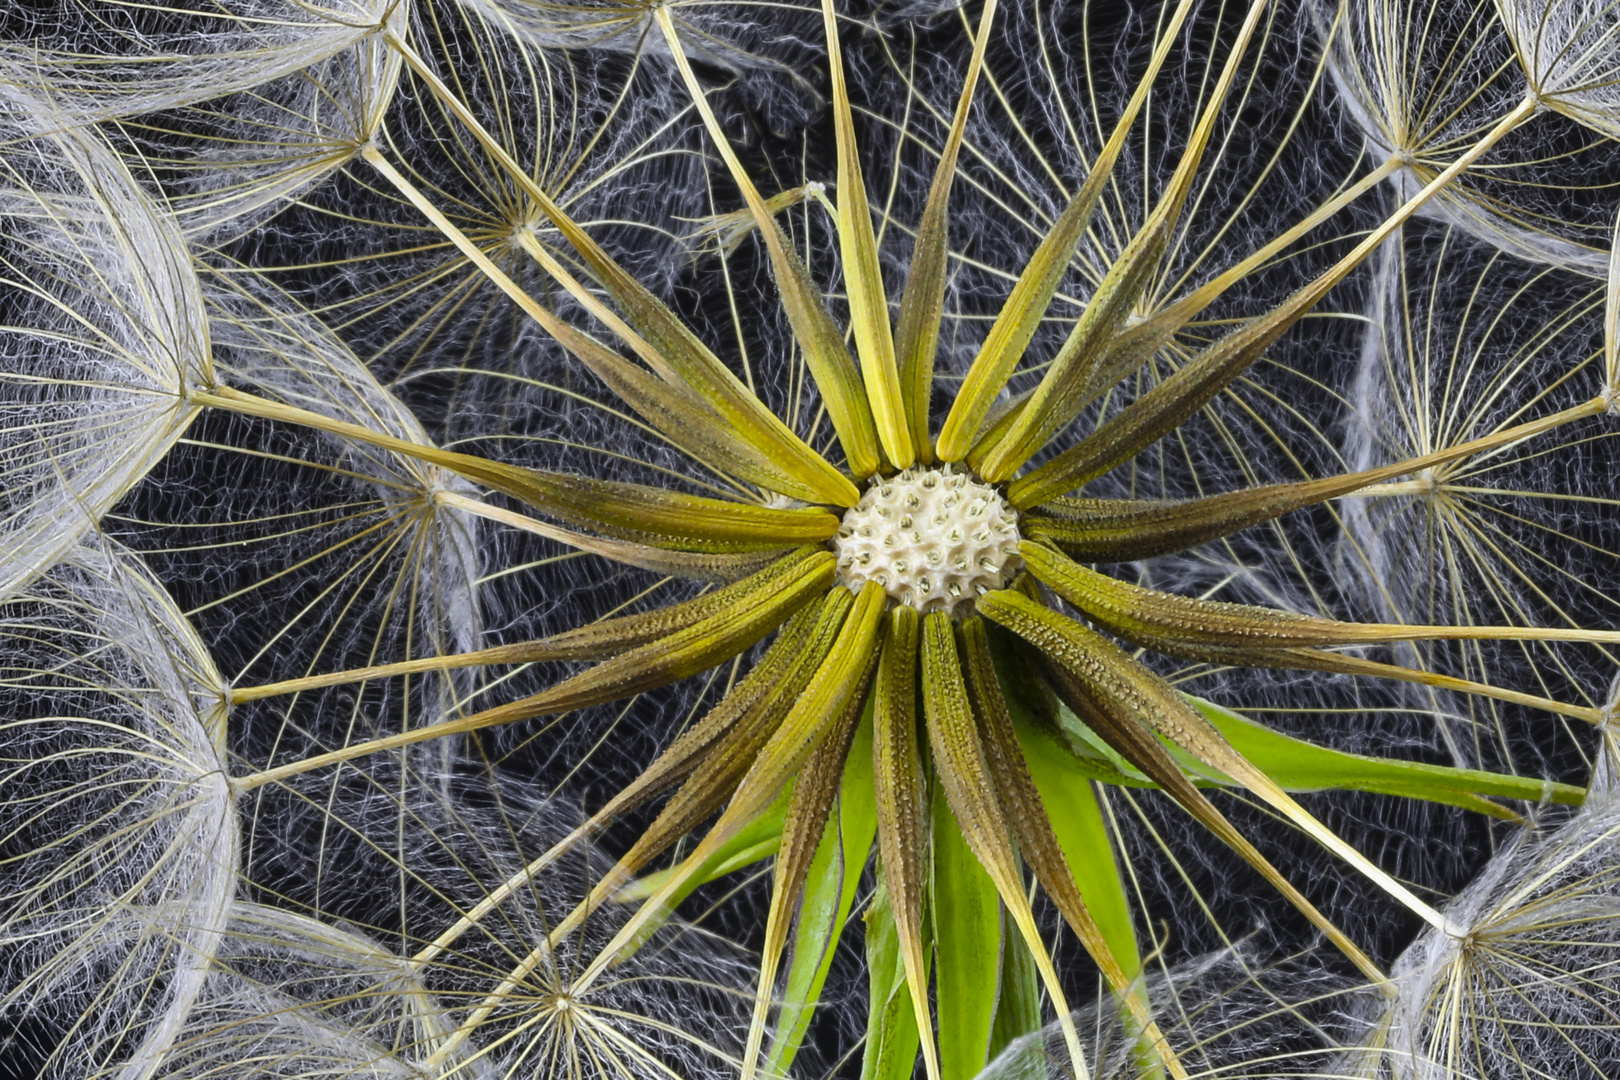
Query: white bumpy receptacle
[933, 538]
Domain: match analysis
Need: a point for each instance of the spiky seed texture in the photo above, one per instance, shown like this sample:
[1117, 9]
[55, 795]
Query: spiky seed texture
[933, 539]
[449, 475]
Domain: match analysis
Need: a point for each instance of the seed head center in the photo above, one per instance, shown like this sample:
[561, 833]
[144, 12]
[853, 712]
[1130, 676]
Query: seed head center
[933, 538]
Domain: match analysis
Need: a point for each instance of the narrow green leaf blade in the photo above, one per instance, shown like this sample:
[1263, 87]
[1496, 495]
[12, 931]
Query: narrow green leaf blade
[1082, 832]
[967, 780]
[718, 751]
[1018, 1000]
[1116, 684]
[967, 943]
[804, 833]
[1076, 817]
[1030, 822]
[829, 892]
[1119, 699]
[842, 676]
[891, 1019]
[1297, 765]
[754, 842]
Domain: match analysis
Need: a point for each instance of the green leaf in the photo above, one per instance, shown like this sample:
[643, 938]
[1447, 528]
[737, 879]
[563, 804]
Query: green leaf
[1297, 765]
[1018, 1003]
[817, 784]
[835, 873]
[967, 936]
[1071, 806]
[754, 842]
[892, 1038]
[1064, 782]
[1132, 708]
[966, 778]
[840, 679]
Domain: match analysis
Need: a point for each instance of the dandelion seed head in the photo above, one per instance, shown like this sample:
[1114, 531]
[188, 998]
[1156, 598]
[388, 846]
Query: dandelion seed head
[102, 309]
[1529, 989]
[114, 737]
[936, 539]
[1605, 782]
[1567, 48]
[1420, 80]
[1230, 1013]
